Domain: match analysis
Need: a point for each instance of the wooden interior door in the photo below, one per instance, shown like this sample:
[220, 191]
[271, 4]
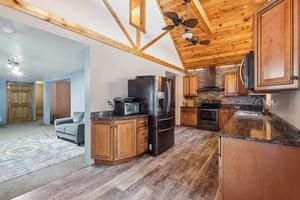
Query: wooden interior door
[231, 84]
[60, 99]
[19, 101]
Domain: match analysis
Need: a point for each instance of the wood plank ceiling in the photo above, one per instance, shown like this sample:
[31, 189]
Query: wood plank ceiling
[229, 27]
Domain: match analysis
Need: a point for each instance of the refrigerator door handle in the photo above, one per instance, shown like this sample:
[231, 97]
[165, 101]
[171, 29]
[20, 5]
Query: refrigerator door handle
[169, 96]
[241, 72]
[164, 130]
[166, 119]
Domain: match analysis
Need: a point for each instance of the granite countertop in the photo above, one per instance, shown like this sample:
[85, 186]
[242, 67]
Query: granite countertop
[257, 108]
[253, 126]
[188, 106]
[109, 115]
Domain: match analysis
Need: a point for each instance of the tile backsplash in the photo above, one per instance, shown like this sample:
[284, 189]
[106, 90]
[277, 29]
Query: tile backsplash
[220, 71]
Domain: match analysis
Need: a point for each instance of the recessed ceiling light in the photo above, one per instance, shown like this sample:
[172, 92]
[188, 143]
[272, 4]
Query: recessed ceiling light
[7, 30]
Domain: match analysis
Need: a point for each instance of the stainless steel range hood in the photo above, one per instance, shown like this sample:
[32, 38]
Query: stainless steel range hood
[210, 80]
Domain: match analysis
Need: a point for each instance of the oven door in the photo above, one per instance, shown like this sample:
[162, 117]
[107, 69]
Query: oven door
[208, 115]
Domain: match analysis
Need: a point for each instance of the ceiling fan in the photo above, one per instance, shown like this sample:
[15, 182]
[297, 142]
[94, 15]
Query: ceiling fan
[187, 24]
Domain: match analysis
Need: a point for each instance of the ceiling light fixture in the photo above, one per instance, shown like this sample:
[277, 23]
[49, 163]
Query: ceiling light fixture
[14, 67]
[8, 30]
[187, 35]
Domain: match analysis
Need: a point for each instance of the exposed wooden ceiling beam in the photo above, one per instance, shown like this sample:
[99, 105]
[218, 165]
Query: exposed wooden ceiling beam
[201, 14]
[76, 28]
[154, 40]
[122, 27]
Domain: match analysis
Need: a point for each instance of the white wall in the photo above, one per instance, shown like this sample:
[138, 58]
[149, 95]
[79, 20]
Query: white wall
[106, 71]
[94, 15]
[287, 106]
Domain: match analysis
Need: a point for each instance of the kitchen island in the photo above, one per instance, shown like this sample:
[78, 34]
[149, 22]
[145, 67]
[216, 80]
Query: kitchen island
[259, 158]
[118, 139]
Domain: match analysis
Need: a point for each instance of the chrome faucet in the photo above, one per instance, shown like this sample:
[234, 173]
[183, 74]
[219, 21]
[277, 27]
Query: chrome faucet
[262, 99]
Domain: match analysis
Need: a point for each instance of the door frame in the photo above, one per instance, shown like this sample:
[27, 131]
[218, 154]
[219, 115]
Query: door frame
[7, 100]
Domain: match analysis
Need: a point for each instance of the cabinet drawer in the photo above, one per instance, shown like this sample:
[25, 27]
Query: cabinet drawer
[142, 122]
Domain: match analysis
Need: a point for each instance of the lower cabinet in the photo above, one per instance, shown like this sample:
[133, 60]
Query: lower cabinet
[189, 116]
[115, 141]
[251, 170]
[101, 131]
[125, 136]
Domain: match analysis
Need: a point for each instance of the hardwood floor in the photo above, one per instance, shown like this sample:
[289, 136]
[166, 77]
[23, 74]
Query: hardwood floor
[187, 171]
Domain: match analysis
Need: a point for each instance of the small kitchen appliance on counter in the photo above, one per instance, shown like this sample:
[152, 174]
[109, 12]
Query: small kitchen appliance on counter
[126, 106]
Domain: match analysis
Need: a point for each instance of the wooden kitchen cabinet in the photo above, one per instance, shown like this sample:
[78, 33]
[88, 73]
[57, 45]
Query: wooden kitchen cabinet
[117, 141]
[233, 85]
[142, 136]
[190, 86]
[189, 116]
[125, 138]
[225, 115]
[276, 44]
[102, 132]
[252, 170]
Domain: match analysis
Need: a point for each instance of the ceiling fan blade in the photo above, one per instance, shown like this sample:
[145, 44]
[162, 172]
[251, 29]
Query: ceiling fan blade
[168, 28]
[204, 42]
[172, 15]
[190, 23]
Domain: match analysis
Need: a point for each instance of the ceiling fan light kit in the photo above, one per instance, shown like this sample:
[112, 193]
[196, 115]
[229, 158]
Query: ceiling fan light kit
[187, 35]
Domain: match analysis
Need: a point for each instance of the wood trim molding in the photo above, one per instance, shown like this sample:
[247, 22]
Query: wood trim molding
[117, 19]
[138, 38]
[71, 26]
[154, 40]
[204, 20]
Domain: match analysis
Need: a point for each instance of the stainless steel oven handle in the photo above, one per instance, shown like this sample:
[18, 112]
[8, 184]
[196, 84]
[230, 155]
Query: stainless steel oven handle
[164, 130]
[166, 119]
[241, 71]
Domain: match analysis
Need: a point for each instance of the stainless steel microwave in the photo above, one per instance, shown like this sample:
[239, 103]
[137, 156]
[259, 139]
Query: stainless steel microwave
[126, 106]
[247, 71]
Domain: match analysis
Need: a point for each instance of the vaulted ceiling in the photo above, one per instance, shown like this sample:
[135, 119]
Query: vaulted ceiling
[227, 23]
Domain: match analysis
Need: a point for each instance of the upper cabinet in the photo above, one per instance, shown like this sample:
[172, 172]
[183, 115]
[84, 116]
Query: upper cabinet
[276, 44]
[190, 86]
[233, 85]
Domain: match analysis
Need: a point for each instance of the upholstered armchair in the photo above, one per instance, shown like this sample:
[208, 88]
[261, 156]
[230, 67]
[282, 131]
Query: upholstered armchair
[71, 128]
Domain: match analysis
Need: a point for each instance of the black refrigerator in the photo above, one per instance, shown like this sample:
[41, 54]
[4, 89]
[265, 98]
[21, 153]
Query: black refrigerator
[157, 96]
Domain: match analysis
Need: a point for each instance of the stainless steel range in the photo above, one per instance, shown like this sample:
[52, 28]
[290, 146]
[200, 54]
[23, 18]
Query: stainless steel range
[208, 115]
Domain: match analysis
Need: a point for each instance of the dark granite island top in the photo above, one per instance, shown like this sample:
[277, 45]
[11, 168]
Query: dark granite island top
[253, 126]
[109, 115]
